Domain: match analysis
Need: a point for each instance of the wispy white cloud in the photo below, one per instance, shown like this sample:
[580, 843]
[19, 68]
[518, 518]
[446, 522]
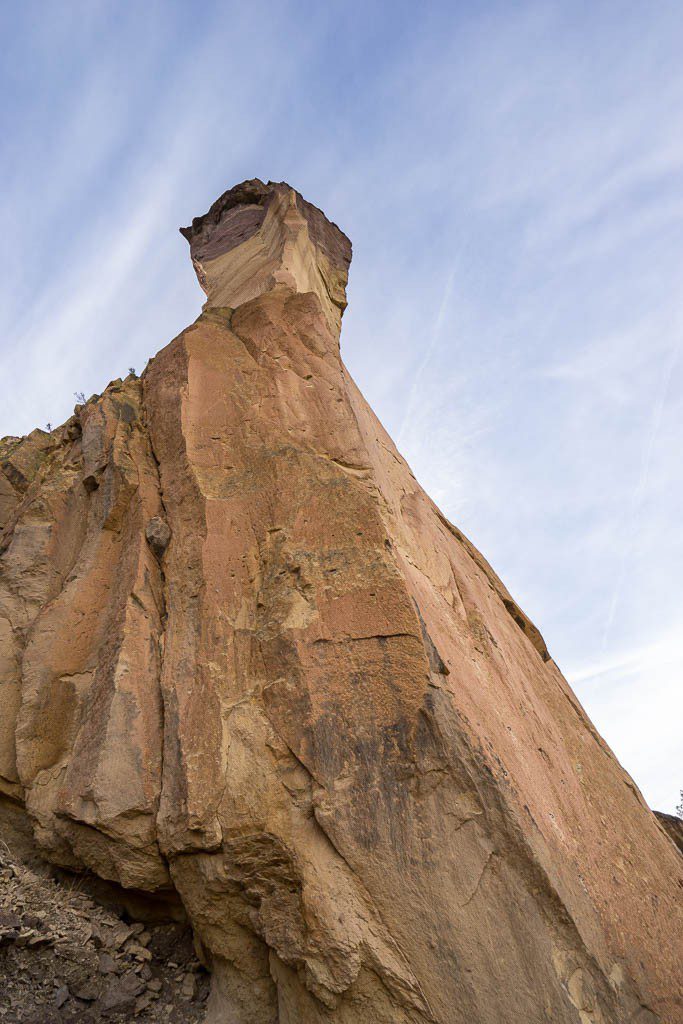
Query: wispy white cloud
[636, 503]
[92, 229]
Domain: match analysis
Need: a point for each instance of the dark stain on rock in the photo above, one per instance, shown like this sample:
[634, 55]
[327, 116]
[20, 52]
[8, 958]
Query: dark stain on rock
[436, 662]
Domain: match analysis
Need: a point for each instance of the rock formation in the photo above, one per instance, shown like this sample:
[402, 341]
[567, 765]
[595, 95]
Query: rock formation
[673, 826]
[243, 657]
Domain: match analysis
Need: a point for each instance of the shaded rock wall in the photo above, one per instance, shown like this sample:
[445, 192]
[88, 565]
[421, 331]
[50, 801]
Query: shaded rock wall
[245, 656]
[673, 826]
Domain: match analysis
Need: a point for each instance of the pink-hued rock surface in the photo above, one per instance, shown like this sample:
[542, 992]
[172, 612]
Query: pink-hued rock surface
[245, 659]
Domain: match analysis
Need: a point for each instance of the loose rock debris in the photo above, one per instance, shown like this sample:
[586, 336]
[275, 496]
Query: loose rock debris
[64, 958]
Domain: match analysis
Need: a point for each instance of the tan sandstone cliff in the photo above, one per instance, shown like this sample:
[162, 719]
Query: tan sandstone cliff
[245, 657]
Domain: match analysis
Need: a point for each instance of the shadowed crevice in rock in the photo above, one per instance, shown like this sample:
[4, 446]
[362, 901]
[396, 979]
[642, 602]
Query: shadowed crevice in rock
[673, 827]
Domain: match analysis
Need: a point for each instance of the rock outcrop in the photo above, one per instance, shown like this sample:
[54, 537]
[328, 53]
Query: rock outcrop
[673, 826]
[244, 658]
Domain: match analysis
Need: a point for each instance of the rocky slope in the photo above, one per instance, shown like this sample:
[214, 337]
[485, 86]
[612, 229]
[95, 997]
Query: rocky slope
[246, 662]
[67, 959]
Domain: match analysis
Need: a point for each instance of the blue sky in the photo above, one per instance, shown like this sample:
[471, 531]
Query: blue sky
[510, 175]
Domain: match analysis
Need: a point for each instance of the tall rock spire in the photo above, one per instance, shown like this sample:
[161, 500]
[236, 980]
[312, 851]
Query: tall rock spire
[245, 657]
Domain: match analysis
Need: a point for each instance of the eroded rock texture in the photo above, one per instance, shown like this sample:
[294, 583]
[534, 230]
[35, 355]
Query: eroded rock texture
[244, 656]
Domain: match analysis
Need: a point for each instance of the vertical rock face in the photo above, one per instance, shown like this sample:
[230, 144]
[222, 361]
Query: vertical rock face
[243, 655]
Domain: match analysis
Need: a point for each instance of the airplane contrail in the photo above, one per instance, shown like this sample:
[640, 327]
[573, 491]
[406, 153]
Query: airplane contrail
[436, 330]
[639, 489]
